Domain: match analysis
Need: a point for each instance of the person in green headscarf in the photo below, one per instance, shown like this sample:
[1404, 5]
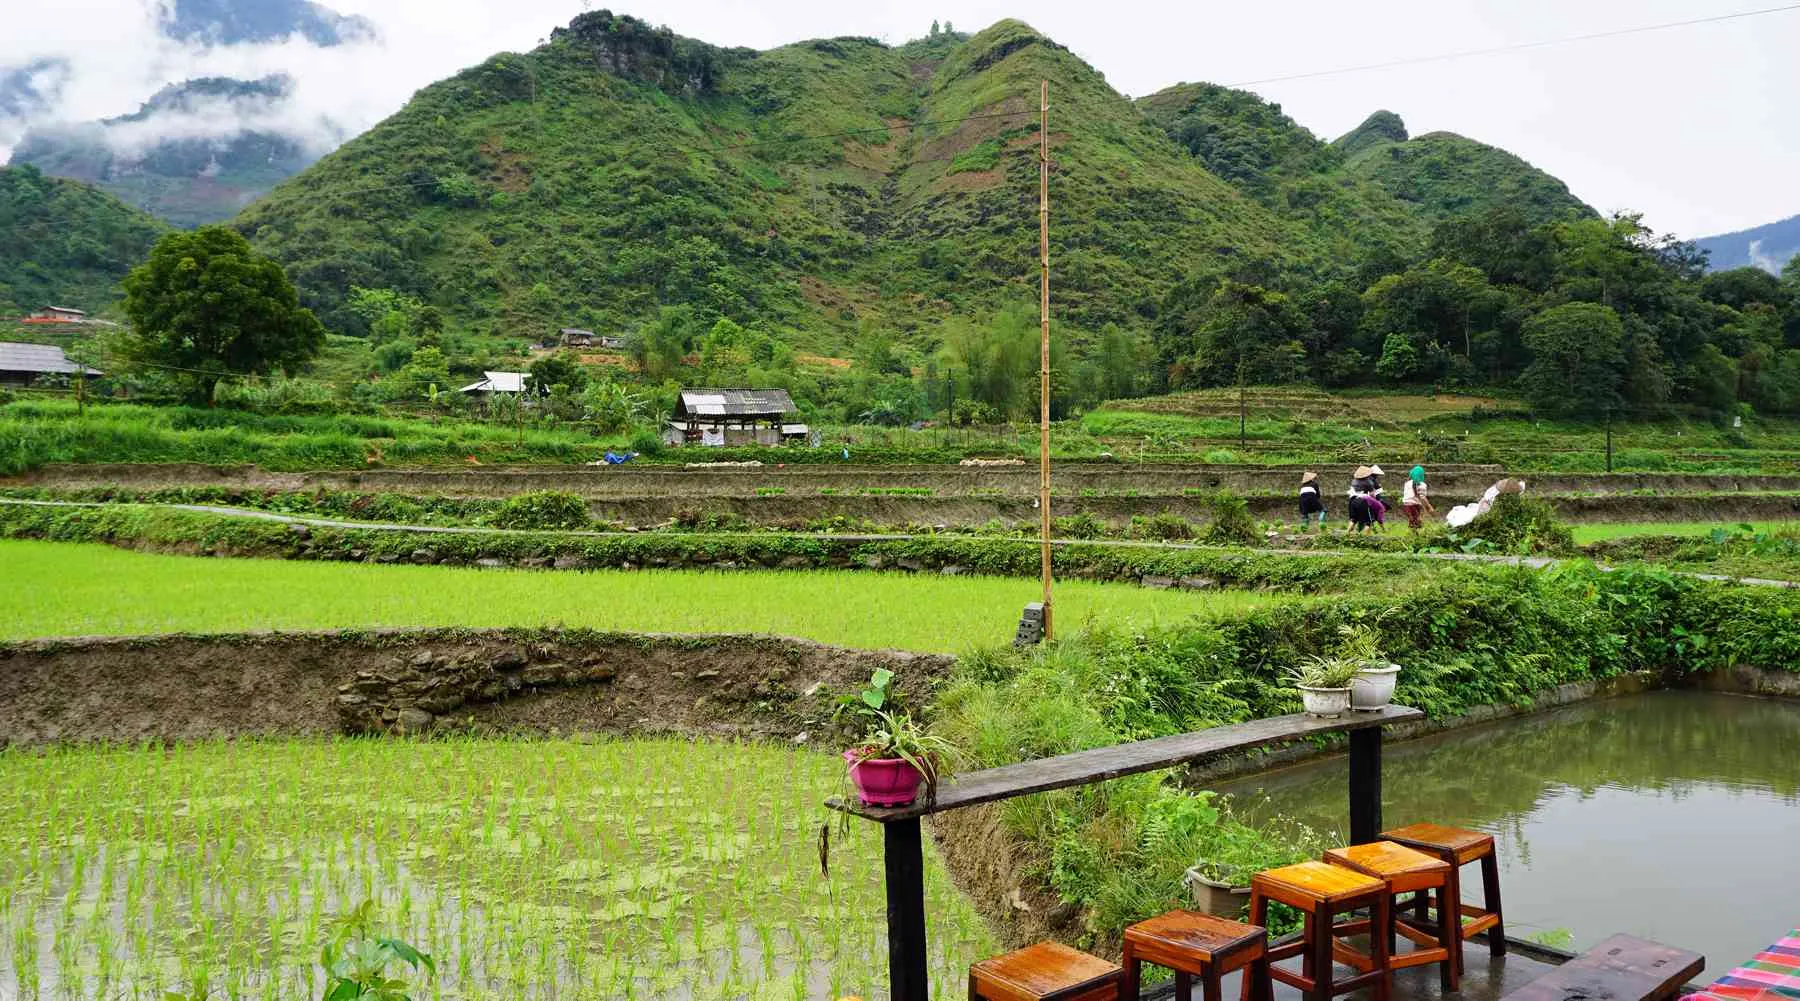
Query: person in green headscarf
[1414, 500]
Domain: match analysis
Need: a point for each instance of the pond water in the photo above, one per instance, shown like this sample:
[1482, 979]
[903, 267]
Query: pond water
[1671, 815]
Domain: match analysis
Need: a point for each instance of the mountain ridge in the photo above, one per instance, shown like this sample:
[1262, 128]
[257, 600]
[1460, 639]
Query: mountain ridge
[1769, 246]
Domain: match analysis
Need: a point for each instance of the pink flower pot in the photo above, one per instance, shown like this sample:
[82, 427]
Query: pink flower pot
[884, 781]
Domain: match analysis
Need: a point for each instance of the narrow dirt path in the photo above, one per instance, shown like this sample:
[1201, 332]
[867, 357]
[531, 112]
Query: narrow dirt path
[1535, 562]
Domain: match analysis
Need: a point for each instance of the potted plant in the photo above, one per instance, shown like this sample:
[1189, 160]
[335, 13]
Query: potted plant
[1373, 686]
[1324, 684]
[1218, 890]
[895, 755]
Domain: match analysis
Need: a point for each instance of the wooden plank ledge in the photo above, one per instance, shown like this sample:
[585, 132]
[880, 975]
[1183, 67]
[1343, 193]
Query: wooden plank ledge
[1622, 968]
[1101, 763]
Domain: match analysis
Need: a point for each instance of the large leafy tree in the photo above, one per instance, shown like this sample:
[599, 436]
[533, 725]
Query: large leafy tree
[1577, 358]
[206, 306]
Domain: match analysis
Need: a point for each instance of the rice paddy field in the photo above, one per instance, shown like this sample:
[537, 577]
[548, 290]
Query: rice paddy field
[1617, 530]
[65, 589]
[654, 869]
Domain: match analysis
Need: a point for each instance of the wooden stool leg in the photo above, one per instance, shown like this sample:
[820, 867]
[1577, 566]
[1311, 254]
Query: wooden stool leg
[1129, 978]
[1184, 986]
[1452, 899]
[974, 989]
[1210, 987]
[1259, 915]
[1309, 934]
[1380, 916]
[1318, 954]
[1265, 984]
[1490, 894]
[1450, 937]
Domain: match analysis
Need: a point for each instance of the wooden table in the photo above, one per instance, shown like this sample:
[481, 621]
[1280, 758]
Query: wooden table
[903, 850]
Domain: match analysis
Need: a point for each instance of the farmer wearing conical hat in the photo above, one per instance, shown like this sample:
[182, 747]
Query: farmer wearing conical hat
[1311, 504]
[1362, 499]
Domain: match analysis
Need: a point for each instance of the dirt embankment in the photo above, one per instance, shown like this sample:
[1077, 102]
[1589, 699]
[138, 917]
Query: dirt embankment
[171, 688]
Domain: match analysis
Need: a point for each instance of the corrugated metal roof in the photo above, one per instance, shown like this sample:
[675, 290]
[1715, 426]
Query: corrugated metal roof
[46, 358]
[735, 402]
[498, 382]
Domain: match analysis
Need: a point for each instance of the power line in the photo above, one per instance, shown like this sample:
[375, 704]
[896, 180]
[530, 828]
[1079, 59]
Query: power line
[1519, 46]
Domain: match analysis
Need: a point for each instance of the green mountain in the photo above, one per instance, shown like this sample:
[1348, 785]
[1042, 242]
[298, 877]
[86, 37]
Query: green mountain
[619, 168]
[1250, 143]
[65, 243]
[1442, 174]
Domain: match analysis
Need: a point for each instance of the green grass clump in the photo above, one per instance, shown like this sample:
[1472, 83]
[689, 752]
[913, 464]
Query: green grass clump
[528, 869]
[68, 590]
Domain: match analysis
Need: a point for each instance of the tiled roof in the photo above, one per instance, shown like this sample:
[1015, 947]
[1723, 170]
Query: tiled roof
[46, 358]
[735, 402]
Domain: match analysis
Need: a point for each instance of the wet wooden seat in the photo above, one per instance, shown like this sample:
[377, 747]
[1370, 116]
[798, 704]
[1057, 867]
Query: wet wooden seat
[1047, 971]
[1406, 871]
[1198, 945]
[1459, 847]
[1321, 891]
[1622, 968]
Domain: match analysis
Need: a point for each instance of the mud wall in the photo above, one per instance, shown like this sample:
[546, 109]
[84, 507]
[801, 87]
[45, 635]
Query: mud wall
[171, 688]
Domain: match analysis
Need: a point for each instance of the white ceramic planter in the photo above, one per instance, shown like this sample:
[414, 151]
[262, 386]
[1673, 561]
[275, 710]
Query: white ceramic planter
[1373, 687]
[1218, 899]
[1326, 703]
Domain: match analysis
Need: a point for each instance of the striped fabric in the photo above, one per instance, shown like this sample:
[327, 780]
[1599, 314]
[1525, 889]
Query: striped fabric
[1773, 975]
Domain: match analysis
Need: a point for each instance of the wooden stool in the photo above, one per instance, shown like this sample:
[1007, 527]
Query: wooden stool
[1321, 892]
[1047, 971]
[1408, 871]
[1459, 847]
[1198, 945]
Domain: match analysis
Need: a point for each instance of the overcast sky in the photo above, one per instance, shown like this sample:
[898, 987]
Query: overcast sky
[1693, 126]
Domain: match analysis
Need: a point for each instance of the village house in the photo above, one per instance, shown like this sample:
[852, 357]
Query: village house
[492, 383]
[733, 417]
[574, 337]
[20, 364]
[58, 314]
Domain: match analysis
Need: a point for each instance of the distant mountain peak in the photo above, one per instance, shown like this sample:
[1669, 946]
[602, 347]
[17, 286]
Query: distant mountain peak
[233, 22]
[1768, 247]
[1377, 129]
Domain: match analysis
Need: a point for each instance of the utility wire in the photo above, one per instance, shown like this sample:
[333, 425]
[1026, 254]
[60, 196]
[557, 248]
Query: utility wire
[1519, 46]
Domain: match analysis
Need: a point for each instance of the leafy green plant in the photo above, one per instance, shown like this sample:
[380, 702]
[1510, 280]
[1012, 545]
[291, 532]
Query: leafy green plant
[541, 509]
[357, 958]
[1320, 671]
[1231, 523]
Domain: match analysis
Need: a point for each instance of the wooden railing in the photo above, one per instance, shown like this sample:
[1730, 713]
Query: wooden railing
[901, 836]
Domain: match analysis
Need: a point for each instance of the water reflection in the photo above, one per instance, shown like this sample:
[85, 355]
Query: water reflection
[1672, 815]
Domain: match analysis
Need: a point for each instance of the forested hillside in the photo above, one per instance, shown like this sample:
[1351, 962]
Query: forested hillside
[618, 169]
[1443, 174]
[65, 243]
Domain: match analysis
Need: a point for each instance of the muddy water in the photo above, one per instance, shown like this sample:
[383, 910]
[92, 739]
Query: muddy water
[1670, 815]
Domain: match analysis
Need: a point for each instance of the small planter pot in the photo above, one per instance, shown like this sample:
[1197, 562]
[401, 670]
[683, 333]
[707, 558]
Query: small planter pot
[1325, 703]
[884, 781]
[1373, 687]
[1221, 900]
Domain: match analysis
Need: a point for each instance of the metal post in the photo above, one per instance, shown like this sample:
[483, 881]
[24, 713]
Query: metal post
[1365, 785]
[1044, 346]
[1243, 410]
[907, 980]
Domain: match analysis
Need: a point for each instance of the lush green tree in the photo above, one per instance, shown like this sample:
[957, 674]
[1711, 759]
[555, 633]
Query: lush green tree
[1741, 287]
[562, 368]
[1441, 303]
[1399, 359]
[1503, 244]
[1711, 379]
[426, 373]
[659, 346]
[1577, 359]
[205, 306]
[995, 362]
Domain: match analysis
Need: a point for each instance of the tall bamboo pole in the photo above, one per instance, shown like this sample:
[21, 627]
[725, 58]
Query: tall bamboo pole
[1044, 343]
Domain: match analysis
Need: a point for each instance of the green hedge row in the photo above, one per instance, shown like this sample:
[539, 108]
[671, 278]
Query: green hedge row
[194, 532]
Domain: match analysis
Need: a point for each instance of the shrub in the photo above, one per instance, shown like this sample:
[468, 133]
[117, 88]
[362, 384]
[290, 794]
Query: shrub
[1163, 526]
[1079, 526]
[1520, 524]
[647, 442]
[1231, 521]
[541, 509]
[1220, 457]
